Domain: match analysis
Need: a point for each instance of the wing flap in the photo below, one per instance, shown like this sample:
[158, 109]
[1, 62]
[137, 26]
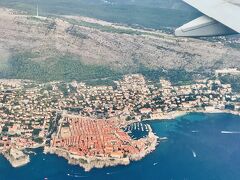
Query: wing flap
[203, 26]
[223, 11]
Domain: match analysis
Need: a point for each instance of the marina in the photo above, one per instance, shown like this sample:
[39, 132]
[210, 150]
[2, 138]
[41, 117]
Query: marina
[137, 130]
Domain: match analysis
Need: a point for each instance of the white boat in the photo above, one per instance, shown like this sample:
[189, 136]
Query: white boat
[194, 154]
[131, 128]
[145, 127]
[155, 163]
[138, 127]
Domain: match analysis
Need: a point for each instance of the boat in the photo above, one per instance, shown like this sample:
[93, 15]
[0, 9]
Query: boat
[194, 154]
[30, 152]
[155, 163]
[145, 127]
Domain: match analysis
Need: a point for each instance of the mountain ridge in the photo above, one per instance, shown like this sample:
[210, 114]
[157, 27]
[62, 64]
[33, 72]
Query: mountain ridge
[100, 43]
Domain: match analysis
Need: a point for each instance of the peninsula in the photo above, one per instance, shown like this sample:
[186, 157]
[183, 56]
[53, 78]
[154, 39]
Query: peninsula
[98, 143]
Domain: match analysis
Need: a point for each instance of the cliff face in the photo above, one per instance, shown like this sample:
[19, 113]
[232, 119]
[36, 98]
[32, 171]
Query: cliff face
[101, 43]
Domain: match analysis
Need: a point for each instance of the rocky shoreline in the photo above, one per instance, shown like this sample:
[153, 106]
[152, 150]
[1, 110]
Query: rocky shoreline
[149, 149]
[89, 163]
[20, 160]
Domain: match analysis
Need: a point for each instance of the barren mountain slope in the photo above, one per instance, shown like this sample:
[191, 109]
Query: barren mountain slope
[102, 43]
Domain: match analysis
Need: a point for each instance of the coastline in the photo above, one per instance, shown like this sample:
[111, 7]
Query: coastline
[175, 114]
[218, 111]
[17, 162]
[151, 166]
[88, 163]
[25, 158]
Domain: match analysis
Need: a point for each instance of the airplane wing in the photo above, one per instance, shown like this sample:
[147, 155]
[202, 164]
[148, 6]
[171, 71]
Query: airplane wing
[221, 17]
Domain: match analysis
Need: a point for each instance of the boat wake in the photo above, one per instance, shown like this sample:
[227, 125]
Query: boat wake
[195, 131]
[76, 176]
[163, 138]
[110, 173]
[230, 132]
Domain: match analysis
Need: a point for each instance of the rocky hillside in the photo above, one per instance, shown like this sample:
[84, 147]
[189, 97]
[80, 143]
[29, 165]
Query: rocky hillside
[45, 40]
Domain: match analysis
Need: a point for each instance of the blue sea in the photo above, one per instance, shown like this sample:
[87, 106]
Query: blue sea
[199, 147]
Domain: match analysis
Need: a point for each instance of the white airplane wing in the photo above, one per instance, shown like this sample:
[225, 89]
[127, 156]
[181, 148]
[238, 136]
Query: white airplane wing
[221, 17]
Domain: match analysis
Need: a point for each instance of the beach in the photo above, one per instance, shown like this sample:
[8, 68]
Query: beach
[175, 114]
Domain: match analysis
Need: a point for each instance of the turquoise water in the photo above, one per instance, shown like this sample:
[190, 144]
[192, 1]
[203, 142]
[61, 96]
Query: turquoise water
[195, 150]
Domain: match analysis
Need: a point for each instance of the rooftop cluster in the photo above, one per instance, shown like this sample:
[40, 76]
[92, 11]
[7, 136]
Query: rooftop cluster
[88, 137]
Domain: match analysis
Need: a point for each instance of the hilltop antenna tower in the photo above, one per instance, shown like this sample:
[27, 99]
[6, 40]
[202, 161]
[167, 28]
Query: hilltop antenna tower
[37, 9]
